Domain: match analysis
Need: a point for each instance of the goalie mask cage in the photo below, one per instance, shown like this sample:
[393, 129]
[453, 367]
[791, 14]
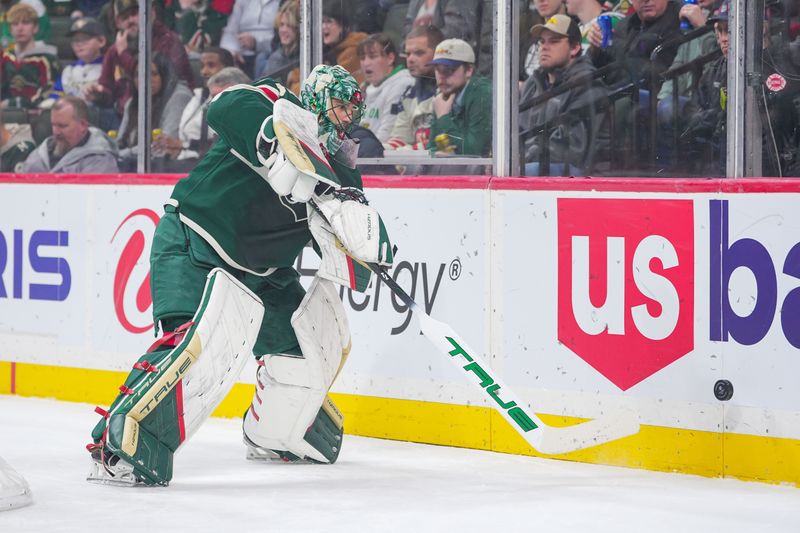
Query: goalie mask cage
[14, 490]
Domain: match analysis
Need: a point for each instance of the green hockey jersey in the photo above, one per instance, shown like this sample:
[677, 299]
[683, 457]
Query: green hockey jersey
[17, 148]
[226, 198]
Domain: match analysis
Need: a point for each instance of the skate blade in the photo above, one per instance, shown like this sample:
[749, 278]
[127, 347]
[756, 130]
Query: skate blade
[263, 455]
[123, 476]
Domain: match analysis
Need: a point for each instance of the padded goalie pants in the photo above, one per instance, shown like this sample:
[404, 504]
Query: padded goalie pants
[180, 260]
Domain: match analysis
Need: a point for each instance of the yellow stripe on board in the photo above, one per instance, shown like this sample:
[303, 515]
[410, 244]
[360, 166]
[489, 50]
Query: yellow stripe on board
[748, 457]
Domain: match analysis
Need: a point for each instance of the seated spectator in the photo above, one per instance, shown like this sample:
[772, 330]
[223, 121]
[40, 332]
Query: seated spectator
[338, 42]
[461, 107]
[587, 12]
[88, 41]
[249, 31]
[456, 19]
[191, 142]
[212, 61]
[74, 147]
[16, 143]
[29, 66]
[386, 82]
[42, 31]
[546, 9]
[705, 137]
[654, 23]
[170, 96]
[412, 128]
[200, 23]
[115, 85]
[572, 145]
[279, 65]
[696, 15]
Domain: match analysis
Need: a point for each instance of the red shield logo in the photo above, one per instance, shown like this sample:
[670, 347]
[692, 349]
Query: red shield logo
[626, 284]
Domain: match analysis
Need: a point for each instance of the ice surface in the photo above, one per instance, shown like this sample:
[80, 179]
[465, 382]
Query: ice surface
[376, 485]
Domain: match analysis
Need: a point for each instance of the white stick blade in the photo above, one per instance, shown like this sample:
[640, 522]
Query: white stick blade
[560, 440]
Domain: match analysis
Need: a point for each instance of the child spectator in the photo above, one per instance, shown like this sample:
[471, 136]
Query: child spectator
[386, 83]
[29, 66]
[88, 41]
[43, 31]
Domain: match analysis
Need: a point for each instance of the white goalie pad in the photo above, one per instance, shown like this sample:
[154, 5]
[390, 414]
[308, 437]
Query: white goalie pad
[14, 490]
[227, 331]
[291, 389]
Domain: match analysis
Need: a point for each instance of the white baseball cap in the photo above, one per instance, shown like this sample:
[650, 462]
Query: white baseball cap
[453, 52]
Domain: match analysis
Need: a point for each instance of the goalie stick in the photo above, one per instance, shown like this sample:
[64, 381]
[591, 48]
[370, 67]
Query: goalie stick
[549, 440]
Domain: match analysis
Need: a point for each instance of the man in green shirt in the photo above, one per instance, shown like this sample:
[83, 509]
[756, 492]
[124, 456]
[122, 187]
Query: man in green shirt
[222, 258]
[462, 115]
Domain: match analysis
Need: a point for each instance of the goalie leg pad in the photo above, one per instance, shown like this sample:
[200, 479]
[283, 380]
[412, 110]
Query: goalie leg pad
[291, 411]
[170, 393]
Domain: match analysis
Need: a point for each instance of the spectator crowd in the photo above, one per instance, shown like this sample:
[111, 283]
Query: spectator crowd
[613, 86]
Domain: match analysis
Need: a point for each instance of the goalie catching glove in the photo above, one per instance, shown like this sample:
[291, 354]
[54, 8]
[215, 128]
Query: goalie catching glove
[358, 226]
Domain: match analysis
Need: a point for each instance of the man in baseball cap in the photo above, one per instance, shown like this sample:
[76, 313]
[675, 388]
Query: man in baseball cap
[460, 107]
[573, 144]
[560, 25]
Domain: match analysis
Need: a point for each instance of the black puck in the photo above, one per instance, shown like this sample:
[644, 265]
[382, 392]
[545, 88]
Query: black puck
[723, 390]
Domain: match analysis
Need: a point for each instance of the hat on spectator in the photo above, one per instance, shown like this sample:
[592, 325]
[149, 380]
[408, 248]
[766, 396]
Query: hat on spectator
[560, 24]
[720, 14]
[86, 25]
[453, 52]
[122, 6]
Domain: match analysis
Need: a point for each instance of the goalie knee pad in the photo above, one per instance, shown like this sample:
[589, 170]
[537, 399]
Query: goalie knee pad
[171, 392]
[291, 416]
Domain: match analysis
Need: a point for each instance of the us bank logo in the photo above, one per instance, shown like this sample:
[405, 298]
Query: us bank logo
[626, 284]
[132, 299]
